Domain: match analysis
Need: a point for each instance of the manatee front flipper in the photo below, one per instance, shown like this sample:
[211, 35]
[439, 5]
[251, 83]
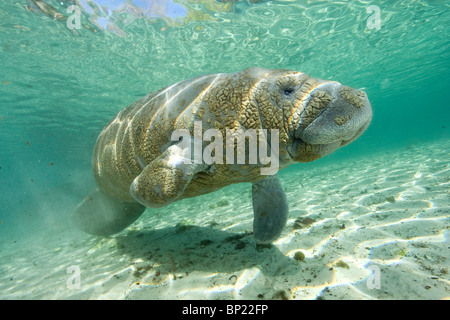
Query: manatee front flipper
[101, 215]
[164, 179]
[270, 209]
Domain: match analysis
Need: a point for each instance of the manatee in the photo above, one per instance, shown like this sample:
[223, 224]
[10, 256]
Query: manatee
[140, 160]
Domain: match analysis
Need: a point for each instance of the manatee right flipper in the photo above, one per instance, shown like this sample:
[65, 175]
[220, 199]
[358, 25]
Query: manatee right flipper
[164, 179]
[101, 215]
[270, 209]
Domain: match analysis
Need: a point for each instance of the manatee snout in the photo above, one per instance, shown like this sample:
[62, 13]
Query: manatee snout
[334, 116]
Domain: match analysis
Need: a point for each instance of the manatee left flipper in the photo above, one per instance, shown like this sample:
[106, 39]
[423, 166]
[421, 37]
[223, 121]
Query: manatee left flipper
[101, 215]
[164, 179]
[270, 209]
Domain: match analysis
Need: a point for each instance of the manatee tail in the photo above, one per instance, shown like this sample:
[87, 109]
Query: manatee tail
[101, 215]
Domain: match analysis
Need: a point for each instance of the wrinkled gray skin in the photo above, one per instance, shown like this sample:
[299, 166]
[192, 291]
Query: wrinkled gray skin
[137, 165]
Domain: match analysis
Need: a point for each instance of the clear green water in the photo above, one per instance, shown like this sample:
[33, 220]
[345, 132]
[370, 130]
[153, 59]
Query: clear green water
[58, 88]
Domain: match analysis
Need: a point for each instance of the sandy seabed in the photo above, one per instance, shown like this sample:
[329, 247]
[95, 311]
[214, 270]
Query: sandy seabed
[376, 227]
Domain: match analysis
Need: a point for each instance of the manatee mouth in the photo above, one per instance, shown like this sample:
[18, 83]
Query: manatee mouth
[301, 151]
[356, 135]
[304, 150]
[341, 139]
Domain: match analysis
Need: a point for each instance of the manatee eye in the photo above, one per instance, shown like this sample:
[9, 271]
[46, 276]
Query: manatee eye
[287, 91]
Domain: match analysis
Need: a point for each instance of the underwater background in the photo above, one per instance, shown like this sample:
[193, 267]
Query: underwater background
[60, 86]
